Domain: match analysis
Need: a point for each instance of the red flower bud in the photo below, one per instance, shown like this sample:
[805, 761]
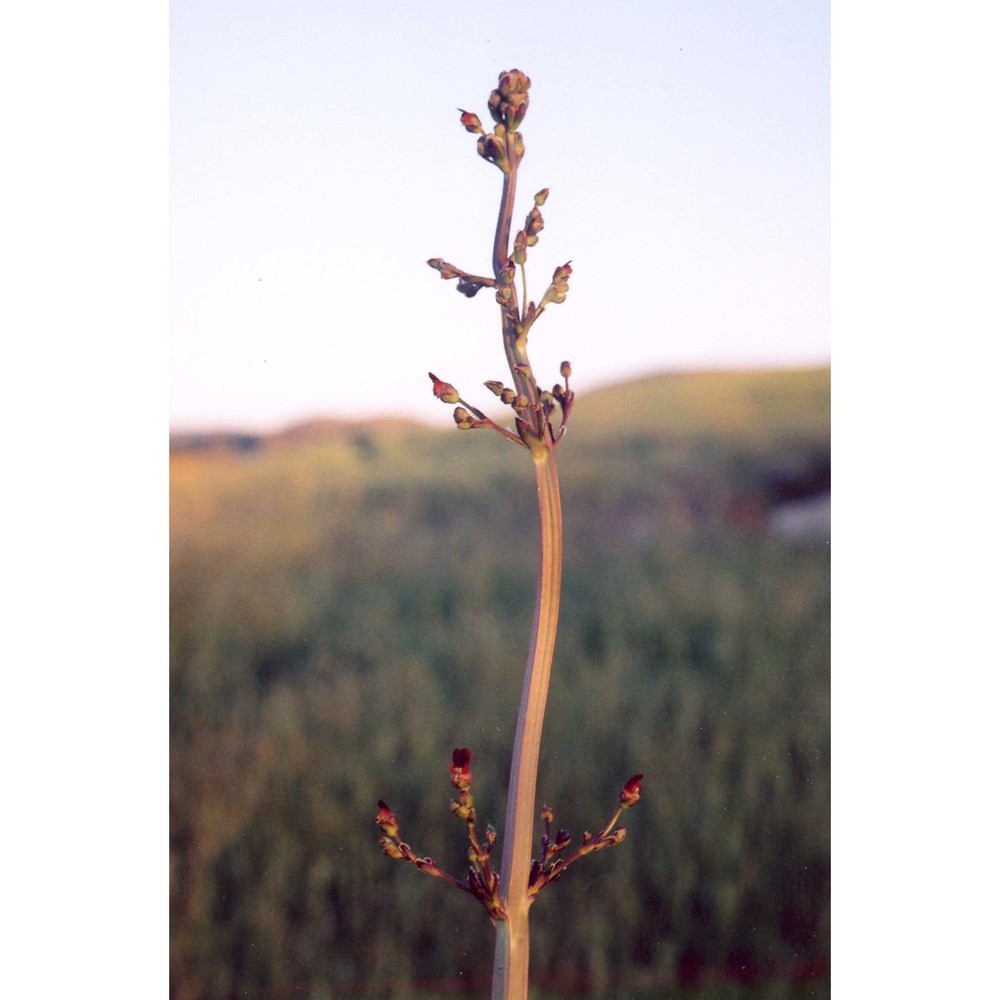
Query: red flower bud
[444, 391]
[471, 122]
[386, 820]
[631, 792]
[461, 775]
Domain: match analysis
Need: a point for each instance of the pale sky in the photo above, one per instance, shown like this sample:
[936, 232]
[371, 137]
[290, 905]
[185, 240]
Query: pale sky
[317, 161]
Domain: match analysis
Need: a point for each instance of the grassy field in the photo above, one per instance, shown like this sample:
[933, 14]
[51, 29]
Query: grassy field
[351, 601]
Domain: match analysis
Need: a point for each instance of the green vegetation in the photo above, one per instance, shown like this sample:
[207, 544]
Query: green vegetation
[342, 616]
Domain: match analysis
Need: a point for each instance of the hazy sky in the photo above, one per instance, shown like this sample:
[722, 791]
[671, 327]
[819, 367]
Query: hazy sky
[317, 161]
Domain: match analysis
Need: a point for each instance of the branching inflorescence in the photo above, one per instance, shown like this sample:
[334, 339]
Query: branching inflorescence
[508, 891]
[481, 880]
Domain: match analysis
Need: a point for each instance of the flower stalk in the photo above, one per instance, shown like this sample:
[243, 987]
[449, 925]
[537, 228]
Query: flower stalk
[507, 895]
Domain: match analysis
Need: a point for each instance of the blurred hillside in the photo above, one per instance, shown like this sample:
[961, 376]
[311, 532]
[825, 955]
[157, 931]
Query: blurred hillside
[351, 601]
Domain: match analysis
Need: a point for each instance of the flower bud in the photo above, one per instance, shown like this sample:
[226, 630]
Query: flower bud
[631, 792]
[463, 419]
[507, 396]
[459, 768]
[390, 849]
[494, 149]
[386, 820]
[508, 104]
[444, 391]
[494, 104]
[520, 402]
[463, 810]
[447, 270]
[520, 248]
[512, 82]
[556, 292]
[471, 122]
[540, 197]
[495, 387]
[565, 369]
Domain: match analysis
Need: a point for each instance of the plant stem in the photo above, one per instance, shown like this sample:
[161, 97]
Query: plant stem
[510, 966]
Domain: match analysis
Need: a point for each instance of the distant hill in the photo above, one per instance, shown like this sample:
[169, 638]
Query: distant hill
[729, 404]
[738, 406]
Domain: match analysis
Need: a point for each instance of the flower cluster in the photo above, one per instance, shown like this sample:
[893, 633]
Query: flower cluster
[549, 867]
[468, 416]
[533, 406]
[481, 880]
[508, 104]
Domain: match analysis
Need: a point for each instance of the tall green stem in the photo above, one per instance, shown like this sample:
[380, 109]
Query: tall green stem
[510, 966]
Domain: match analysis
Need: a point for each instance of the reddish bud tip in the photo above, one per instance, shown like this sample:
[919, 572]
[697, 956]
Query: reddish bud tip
[471, 122]
[386, 820]
[461, 774]
[631, 792]
[444, 391]
[541, 196]
[556, 292]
